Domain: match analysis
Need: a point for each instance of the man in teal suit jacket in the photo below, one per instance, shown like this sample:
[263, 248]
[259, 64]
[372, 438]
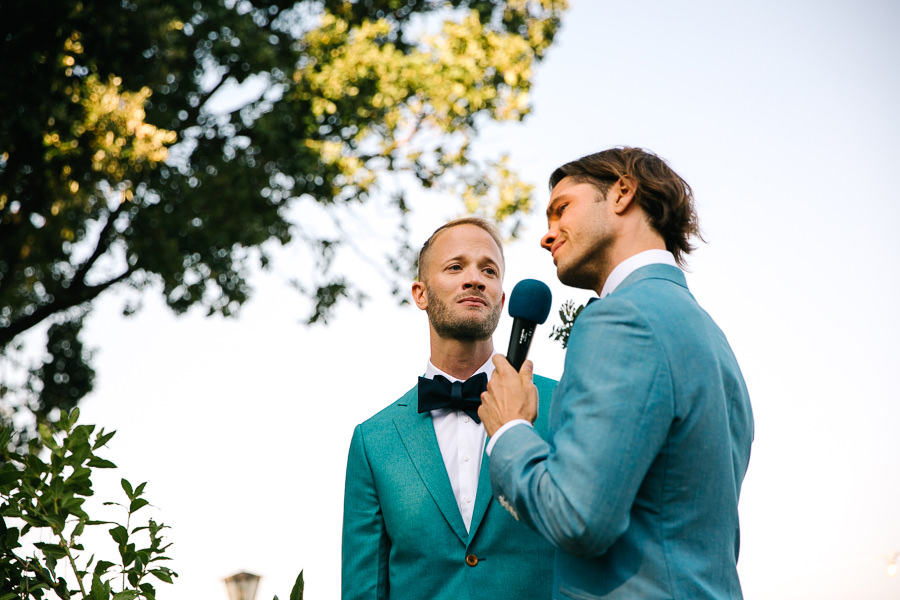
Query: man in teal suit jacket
[637, 482]
[419, 517]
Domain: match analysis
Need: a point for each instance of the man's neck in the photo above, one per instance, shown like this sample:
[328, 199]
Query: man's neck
[460, 358]
[633, 263]
[635, 240]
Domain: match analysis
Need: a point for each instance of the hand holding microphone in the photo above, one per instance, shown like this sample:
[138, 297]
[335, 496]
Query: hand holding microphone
[529, 305]
[511, 395]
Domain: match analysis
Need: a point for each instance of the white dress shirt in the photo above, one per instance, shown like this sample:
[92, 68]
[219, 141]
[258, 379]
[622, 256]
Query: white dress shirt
[618, 275]
[461, 441]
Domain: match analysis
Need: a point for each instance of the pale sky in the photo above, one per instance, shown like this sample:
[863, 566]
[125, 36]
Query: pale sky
[779, 114]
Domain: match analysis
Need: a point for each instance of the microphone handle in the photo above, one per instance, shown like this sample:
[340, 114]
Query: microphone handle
[519, 342]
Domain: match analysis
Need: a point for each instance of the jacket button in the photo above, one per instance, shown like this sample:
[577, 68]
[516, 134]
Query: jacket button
[471, 560]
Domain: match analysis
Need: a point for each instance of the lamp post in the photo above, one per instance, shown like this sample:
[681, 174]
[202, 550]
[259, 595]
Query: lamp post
[242, 586]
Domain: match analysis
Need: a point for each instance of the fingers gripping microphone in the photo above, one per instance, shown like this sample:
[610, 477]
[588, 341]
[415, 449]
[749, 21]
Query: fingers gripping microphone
[529, 305]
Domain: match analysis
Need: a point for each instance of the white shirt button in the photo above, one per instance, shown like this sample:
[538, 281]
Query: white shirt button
[465, 419]
[466, 458]
[469, 499]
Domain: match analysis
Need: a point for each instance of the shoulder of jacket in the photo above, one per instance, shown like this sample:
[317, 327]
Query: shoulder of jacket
[390, 412]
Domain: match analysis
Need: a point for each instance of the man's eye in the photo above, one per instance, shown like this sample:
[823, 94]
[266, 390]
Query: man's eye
[491, 271]
[561, 209]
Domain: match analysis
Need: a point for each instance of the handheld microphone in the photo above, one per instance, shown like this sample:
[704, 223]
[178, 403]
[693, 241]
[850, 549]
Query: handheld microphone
[529, 305]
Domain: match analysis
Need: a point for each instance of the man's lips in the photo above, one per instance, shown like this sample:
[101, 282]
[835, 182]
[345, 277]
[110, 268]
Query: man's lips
[555, 248]
[472, 301]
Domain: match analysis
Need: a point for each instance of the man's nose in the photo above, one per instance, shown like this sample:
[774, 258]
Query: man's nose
[474, 279]
[548, 239]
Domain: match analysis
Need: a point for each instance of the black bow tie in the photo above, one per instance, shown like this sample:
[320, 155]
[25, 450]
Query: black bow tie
[458, 395]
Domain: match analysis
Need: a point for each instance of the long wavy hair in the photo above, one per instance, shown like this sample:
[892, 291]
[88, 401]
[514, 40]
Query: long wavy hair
[662, 194]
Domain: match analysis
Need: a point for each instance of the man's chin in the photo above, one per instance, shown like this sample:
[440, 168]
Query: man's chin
[474, 329]
[463, 335]
[573, 279]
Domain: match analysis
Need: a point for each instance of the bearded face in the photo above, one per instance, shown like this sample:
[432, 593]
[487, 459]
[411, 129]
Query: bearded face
[450, 321]
[461, 285]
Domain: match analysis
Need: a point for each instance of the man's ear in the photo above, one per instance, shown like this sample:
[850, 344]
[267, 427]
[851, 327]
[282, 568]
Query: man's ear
[623, 190]
[420, 295]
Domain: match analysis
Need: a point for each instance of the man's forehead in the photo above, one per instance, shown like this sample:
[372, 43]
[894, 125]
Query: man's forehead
[451, 244]
[557, 195]
[566, 188]
[450, 236]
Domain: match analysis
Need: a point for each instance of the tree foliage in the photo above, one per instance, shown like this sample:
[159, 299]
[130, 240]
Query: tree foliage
[42, 496]
[167, 144]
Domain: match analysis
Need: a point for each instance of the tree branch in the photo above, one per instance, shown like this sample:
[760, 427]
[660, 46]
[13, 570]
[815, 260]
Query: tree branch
[69, 299]
[62, 542]
[103, 242]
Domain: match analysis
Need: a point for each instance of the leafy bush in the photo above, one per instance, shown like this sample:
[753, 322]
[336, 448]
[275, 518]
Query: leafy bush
[43, 491]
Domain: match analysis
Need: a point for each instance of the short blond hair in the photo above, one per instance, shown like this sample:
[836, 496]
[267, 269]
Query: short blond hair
[484, 224]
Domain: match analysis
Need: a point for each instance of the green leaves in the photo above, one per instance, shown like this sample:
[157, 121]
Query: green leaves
[103, 439]
[163, 574]
[119, 534]
[38, 494]
[122, 167]
[297, 590]
[8, 475]
[568, 312]
[100, 463]
[51, 550]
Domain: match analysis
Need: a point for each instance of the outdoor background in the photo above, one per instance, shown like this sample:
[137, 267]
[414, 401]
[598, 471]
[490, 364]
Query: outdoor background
[781, 115]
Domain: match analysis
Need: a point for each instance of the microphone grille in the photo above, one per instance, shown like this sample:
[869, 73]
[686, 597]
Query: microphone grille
[530, 300]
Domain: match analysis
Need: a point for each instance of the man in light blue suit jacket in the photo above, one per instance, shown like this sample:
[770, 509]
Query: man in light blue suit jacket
[420, 521]
[637, 482]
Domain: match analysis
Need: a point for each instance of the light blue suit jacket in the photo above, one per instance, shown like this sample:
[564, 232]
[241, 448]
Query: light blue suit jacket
[638, 480]
[404, 537]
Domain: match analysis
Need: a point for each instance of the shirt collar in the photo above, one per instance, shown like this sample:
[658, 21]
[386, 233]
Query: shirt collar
[632, 264]
[431, 370]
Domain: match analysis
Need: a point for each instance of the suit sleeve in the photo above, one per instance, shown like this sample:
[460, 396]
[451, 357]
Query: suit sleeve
[612, 410]
[365, 545]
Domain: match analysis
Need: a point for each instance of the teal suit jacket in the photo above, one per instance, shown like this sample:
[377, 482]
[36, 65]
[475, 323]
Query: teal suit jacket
[638, 480]
[404, 537]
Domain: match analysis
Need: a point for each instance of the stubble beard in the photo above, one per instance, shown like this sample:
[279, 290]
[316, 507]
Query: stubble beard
[575, 278]
[473, 327]
[584, 271]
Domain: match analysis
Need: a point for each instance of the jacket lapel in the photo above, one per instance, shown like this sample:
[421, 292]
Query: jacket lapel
[417, 434]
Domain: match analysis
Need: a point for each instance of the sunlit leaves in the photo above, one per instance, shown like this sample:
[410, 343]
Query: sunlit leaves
[122, 140]
[130, 157]
[416, 106]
